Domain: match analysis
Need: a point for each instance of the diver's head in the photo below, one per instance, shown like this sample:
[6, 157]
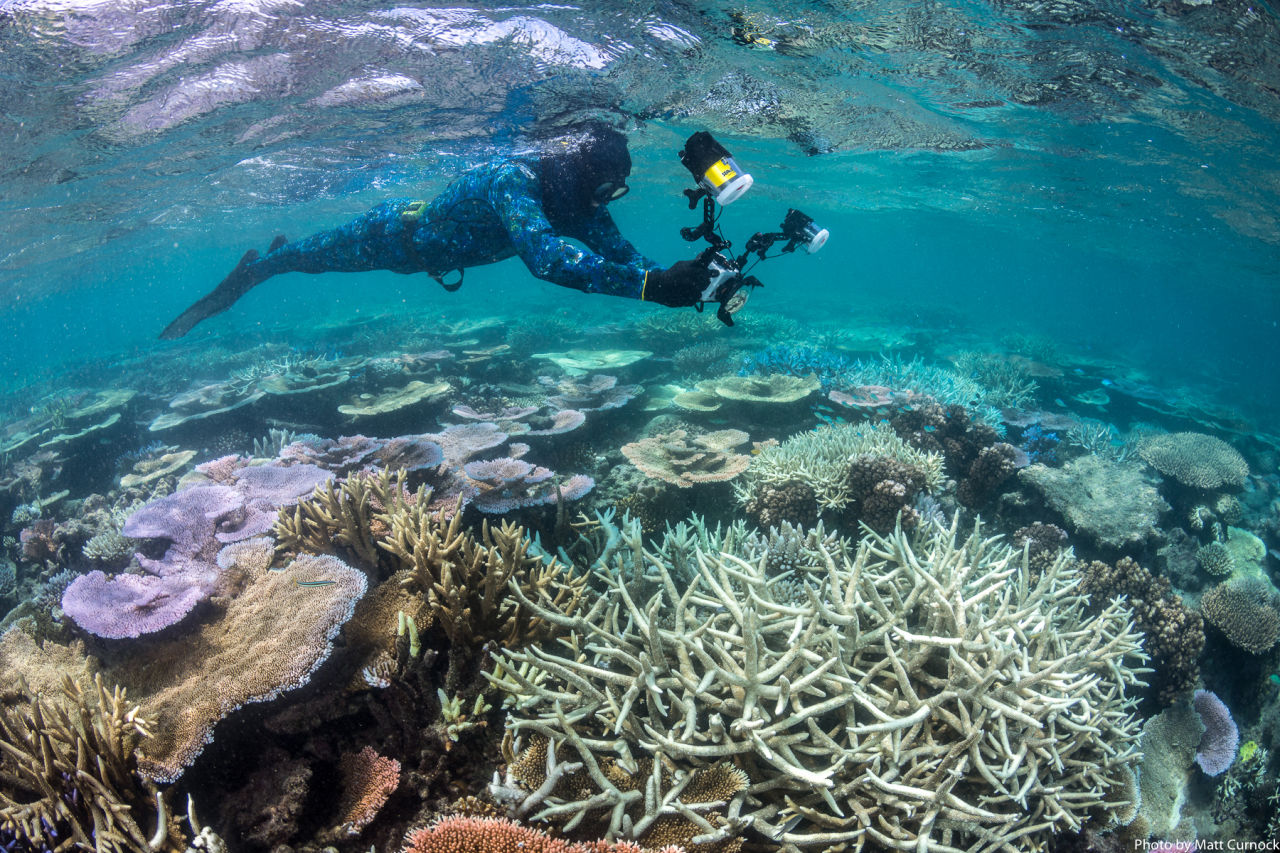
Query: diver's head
[584, 168]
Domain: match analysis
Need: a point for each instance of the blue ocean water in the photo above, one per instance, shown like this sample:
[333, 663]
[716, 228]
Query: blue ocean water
[1099, 172]
[1096, 182]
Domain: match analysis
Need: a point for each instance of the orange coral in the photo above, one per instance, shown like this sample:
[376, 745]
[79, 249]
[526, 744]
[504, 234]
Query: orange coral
[368, 780]
[459, 834]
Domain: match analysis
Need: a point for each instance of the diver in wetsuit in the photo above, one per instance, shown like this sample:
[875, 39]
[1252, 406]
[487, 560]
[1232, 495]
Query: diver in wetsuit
[529, 206]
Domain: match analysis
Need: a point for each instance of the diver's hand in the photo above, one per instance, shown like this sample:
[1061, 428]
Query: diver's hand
[678, 286]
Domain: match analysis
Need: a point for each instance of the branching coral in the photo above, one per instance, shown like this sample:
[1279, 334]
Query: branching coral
[925, 695]
[463, 577]
[68, 774]
[821, 459]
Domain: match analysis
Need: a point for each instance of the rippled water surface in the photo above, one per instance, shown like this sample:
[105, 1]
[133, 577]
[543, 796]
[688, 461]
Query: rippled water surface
[1101, 172]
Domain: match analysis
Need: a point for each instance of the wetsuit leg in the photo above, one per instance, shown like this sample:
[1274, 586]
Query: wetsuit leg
[373, 240]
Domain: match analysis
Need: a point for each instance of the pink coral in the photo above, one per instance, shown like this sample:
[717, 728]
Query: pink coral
[458, 834]
[368, 780]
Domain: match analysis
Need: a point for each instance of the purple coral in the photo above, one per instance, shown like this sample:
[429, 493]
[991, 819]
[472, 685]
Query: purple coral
[562, 421]
[1221, 737]
[129, 606]
[508, 484]
[195, 522]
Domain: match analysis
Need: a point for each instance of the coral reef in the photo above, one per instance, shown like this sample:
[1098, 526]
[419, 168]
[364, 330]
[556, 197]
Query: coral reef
[820, 459]
[1195, 459]
[1114, 504]
[70, 774]
[683, 460]
[900, 703]
[1173, 634]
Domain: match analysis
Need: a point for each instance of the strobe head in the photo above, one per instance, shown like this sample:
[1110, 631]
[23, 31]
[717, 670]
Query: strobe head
[714, 168]
[801, 230]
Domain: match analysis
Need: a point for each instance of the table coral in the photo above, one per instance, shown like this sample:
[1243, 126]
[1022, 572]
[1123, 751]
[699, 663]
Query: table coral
[1195, 459]
[682, 460]
[926, 695]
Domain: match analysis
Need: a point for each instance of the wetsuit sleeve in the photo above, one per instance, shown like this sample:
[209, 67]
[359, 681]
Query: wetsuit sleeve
[517, 200]
[601, 234]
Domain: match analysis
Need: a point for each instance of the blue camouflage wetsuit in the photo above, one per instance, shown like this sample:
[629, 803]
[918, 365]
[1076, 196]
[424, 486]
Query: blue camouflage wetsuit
[490, 213]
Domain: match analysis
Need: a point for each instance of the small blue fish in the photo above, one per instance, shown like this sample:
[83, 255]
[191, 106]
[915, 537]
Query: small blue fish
[1108, 383]
[1057, 401]
[1078, 371]
[929, 428]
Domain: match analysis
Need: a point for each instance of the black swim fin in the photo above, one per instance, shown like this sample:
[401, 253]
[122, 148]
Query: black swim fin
[279, 241]
[237, 284]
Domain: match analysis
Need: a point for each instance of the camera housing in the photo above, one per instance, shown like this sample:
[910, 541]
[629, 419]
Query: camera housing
[714, 169]
[720, 180]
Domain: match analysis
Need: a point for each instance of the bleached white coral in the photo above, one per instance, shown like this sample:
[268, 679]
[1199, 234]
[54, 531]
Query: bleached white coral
[821, 458]
[925, 695]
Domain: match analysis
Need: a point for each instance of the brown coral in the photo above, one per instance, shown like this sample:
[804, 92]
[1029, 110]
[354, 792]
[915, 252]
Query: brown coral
[792, 502]
[881, 489]
[69, 773]
[1245, 611]
[1173, 633]
[683, 460]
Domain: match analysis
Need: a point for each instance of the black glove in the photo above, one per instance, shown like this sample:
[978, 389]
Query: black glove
[678, 286]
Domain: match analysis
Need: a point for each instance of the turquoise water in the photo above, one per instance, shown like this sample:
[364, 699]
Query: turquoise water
[1093, 185]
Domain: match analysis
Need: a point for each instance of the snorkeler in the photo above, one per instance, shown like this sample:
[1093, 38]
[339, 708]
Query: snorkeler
[531, 206]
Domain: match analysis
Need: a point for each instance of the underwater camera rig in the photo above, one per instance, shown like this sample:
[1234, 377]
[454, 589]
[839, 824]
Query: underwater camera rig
[721, 181]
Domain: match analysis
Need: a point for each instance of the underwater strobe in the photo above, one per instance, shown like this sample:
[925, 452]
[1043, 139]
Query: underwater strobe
[721, 180]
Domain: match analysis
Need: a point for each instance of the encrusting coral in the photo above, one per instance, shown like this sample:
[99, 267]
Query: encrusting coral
[70, 774]
[925, 694]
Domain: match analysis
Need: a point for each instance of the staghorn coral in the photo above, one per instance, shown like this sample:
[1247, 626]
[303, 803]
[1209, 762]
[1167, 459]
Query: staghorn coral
[461, 834]
[682, 460]
[68, 773]
[1173, 634]
[465, 578]
[462, 577]
[347, 517]
[1245, 611]
[902, 704]
[820, 459]
[1195, 459]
